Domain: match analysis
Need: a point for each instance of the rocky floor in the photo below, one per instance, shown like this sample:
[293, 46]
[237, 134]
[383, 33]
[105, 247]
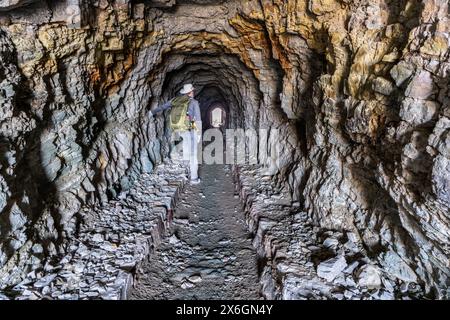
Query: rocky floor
[221, 244]
[210, 253]
[113, 241]
[303, 261]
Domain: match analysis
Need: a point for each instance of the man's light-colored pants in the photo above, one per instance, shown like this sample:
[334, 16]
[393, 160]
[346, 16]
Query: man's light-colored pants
[187, 150]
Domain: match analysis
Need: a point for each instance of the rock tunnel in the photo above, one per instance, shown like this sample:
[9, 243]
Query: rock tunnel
[355, 94]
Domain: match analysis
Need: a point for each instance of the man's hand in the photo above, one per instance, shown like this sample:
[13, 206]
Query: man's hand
[150, 115]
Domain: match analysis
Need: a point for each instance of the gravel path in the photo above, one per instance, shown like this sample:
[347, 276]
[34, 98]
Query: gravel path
[209, 254]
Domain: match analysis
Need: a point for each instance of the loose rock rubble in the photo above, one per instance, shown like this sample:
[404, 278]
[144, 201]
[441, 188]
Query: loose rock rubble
[303, 261]
[112, 242]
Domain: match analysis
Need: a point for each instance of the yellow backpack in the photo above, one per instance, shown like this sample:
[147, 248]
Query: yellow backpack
[179, 120]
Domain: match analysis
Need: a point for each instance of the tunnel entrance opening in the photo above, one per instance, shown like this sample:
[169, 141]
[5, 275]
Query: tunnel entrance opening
[217, 116]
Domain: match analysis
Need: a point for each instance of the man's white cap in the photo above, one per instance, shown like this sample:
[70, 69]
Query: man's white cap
[187, 88]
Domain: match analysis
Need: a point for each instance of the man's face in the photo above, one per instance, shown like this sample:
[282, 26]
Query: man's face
[191, 94]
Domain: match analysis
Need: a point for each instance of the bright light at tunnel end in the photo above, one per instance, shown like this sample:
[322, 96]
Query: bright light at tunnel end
[234, 147]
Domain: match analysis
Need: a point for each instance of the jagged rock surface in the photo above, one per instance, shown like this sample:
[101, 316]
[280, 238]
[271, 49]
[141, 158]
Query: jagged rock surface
[306, 261]
[358, 90]
[114, 239]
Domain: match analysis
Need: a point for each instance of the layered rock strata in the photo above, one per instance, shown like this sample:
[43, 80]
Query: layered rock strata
[357, 90]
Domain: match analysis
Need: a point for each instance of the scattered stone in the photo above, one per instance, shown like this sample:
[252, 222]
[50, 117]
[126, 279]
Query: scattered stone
[331, 243]
[369, 277]
[195, 278]
[351, 267]
[389, 286]
[348, 294]
[3, 297]
[95, 261]
[187, 285]
[44, 281]
[385, 295]
[331, 268]
[37, 248]
[404, 287]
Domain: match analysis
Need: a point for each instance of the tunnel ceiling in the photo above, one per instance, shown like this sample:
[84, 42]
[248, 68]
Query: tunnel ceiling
[356, 93]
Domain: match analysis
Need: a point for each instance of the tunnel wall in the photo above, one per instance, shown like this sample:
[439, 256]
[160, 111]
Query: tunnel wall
[376, 130]
[358, 91]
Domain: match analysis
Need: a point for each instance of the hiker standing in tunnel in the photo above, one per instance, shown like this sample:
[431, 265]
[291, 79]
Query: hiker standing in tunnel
[186, 123]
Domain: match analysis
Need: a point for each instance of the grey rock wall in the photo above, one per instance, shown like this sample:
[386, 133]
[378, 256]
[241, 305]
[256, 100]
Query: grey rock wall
[358, 91]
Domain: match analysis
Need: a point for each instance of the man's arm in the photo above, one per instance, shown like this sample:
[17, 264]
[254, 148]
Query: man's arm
[164, 107]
